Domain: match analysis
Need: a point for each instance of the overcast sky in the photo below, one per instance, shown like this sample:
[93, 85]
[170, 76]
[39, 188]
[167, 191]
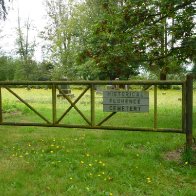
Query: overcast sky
[33, 9]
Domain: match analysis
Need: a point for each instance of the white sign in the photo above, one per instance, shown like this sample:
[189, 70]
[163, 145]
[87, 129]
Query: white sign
[126, 101]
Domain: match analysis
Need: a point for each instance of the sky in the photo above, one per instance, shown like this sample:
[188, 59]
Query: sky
[34, 9]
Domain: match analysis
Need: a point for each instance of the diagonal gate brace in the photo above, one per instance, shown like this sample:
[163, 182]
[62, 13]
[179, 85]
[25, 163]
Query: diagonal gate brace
[73, 105]
[29, 106]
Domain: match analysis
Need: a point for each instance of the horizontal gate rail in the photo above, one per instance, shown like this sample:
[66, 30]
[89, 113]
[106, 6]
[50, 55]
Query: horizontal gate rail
[94, 82]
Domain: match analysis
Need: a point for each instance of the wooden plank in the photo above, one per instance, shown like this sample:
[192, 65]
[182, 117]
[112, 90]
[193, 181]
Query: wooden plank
[126, 94]
[189, 110]
[125, 101]
[1, 109]
[126, 108]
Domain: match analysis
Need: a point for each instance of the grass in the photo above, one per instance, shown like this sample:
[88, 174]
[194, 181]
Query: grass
[59, 161]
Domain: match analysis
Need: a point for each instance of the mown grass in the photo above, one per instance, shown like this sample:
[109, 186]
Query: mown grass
[59, 161]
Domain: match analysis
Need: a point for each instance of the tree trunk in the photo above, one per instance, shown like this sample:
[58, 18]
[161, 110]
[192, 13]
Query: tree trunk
[163, 76]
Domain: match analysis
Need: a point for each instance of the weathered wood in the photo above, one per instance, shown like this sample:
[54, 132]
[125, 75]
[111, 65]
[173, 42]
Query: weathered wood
[92, 105]
[29, 106]
[155, 108]
[189, 110]
[54, 103]
[72, 105]
[95, 127]
[184, 107]
[1, 109]
[94, 82]
[105, 119]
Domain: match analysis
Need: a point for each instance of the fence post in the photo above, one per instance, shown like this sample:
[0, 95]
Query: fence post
[92, 105]
[1, 110]
[54, 104]
[189, 110]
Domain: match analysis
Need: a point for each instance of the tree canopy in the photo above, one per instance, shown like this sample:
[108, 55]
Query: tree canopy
[110, 39]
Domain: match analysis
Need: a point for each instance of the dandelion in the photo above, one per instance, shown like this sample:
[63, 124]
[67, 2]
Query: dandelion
[186, 163]
[51, 151]
[54, 140]
[90, 164]
[90, 174]
[29, 145]
[52, 145]
[110, 194]
[87, 188]
[103, 164]
[99, 175]
[100, 162]
[103, 173]
[71, 178]
[87, 155]
[82, 162]
[57, 147]
[148, 180]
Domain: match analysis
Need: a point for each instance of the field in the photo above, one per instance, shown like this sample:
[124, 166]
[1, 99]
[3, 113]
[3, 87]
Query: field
[62, 161]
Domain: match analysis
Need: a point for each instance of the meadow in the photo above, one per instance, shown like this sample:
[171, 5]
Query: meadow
[63, 161]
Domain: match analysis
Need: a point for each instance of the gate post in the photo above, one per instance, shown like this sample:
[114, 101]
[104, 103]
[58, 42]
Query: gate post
[189, 110]
[1, 110]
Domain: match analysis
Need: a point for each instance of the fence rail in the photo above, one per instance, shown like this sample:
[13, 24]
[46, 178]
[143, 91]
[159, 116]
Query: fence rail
[187, 105]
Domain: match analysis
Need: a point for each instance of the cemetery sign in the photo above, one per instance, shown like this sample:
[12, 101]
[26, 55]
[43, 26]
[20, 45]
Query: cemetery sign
[125, 101]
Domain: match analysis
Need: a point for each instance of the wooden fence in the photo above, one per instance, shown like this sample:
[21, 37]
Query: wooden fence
[187, 105]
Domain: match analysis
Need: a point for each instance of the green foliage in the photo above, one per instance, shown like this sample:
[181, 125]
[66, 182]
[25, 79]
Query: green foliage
[7, 68]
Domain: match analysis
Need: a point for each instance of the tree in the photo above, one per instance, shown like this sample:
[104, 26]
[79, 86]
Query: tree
[59, 35]
[3, 9]
[114, 38]
[25, 49]
[127, 34]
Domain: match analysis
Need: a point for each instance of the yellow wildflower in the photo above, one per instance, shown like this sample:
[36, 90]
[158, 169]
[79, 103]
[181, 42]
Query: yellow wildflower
[148, 180]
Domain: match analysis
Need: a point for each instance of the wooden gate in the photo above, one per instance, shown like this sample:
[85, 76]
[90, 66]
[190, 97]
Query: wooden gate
[187, 105]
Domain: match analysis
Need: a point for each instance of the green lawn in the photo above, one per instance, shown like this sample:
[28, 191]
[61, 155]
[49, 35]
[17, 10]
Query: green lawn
[61, 161]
